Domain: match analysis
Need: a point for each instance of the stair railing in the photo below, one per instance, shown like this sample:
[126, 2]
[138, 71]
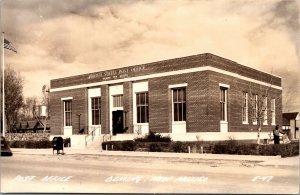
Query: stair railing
[106, 137]
[91, 134]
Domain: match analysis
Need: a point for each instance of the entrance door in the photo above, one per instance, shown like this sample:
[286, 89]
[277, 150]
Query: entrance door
[117, 122]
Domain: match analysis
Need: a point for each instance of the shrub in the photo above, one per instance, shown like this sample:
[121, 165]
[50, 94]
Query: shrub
[67, 142]
[220, 147]
[158, 146]
[129, 146]
[226, 147]
[119, 145]
[285, 150]
[247, 149]
[153, 137]
[30, 144]
[179, 147]
[155, 147]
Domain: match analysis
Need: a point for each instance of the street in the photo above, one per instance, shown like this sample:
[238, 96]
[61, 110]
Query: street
[121, 174]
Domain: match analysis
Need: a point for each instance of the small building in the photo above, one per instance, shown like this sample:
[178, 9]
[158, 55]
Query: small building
[200, 97]
[31, 126]
[291, 123]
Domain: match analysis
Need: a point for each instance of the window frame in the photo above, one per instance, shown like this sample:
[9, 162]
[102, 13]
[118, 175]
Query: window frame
[181, 118]
[140, 106]
[95, 110]
[265, 114]
[245, 108]
[273, 111]
[118, 101]
[67, 122]
[223, 104]
[254, 109]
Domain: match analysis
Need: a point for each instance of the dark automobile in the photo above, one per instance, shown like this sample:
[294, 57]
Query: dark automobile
[5, 150]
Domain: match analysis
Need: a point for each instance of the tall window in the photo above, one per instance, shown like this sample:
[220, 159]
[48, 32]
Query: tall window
[254, 109]
[245, 107]
[142, 106]
[273, 111]
[68, 112]
[117, 100]
[265, 110]
[223, 104]
[179, 104]
[96, 110]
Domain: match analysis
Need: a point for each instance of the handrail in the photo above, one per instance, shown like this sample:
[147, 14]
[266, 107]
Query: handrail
[138, 129]
[106, 135]
[91, 134]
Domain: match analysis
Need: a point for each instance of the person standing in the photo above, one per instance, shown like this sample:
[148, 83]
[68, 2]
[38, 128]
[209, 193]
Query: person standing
[276, 134]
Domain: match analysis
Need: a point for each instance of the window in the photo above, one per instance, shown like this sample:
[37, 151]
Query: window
[265, 110]
[118, 101]
[142, 106]
[68, 112]
[245, 108]
[96, 110]
[254, 109]
[179, 104]
[273, 111]
[223, 104]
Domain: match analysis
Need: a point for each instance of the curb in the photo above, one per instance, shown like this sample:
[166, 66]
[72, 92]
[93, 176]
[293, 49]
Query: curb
[69, 151]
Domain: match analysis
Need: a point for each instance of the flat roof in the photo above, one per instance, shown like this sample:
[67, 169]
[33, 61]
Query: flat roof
[188, 62]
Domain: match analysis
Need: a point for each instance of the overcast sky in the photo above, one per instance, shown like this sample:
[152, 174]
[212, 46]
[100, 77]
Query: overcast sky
[58, 38]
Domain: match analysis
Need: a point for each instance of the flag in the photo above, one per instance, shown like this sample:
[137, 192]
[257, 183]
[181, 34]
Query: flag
[8, 45]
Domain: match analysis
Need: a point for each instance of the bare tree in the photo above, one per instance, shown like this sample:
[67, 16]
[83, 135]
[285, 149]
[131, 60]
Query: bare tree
[257, 102]
[262, 100]
[29, 109]
[13, 91]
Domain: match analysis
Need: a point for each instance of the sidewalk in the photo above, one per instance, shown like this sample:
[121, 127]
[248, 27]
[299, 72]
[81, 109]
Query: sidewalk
[264, 160]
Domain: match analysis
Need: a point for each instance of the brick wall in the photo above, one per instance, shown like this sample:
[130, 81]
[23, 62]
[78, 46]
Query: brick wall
[79, 106]
[105, 109]
[160, 102]
[237, 86]
[203, 104]
[128, 99]
[27, 136]
[199, 60]
[203, 97]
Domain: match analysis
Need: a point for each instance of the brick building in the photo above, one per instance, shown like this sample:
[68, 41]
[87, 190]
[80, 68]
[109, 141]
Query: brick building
[202, 97]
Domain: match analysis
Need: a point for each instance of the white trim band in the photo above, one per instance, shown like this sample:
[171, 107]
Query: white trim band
[178, 85]
[66, 98]
[163, 74]
[224, 85]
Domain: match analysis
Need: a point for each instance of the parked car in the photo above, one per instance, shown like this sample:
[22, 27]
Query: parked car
[5, 150]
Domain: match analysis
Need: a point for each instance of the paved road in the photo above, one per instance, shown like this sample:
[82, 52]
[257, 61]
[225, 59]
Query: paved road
[119, 174]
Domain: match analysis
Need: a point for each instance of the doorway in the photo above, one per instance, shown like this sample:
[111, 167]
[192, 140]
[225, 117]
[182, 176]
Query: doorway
[118, 122]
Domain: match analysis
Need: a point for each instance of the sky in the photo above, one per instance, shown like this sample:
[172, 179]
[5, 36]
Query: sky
[59, 38]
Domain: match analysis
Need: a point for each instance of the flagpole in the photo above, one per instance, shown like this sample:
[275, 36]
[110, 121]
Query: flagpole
[3, 96]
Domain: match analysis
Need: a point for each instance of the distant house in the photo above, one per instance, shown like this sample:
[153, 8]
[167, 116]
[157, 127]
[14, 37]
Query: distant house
[31, 126]
[291, 122]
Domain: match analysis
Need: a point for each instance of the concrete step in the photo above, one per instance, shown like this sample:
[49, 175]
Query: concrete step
[95, 143]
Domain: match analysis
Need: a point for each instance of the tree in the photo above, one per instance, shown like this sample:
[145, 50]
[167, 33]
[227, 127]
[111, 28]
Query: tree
[261, 102]
[13, 91]
[29, 109]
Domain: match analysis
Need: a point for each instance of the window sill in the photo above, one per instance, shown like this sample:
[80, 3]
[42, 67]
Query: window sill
[224, 122]
[245, 123]
[178, 122]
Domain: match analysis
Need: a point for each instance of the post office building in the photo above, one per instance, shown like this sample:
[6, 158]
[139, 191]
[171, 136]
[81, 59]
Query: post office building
[203, 96]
